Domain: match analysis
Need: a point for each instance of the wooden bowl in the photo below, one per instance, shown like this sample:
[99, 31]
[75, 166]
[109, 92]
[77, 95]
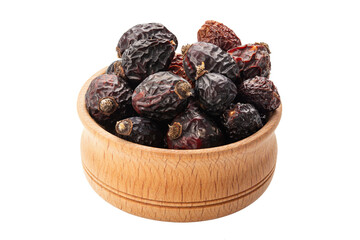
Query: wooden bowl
[177, 185]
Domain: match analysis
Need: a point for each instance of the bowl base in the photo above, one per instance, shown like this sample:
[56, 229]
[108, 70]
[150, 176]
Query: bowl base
[178, 212]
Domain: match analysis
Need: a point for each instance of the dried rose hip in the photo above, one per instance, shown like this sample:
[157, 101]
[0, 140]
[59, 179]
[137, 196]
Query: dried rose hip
[218, 34]
[193, 130]
[161, 96]
[252, 59]
[176, 67]
[140, 130]
[108, 97]
[143, 32]
[216, 60]
[240, 121]
[146, 57]
[214, 91]
[260, 92]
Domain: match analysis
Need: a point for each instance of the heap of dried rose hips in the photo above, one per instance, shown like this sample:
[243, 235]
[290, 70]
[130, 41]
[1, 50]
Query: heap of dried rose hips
[216, 91]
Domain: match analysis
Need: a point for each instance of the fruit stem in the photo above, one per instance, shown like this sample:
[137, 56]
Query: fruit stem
[200, 70]
[185, 48]
[183, 89]
[124, 127]
[118, 51]
[108, 105]
[175, 131]
[118, 69]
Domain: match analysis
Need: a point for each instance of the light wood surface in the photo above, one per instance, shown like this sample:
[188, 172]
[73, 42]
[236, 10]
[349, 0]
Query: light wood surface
[177, 185]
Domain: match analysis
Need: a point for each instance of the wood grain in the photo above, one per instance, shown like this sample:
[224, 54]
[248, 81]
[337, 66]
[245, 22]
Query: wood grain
[177, 185]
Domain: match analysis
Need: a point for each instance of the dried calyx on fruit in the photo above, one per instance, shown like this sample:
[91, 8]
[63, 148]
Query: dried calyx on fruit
[108, 97]
[143, 32]
[161, 96]
[261, 92]
[214, 91]
[176, 67]
[193, 130]
[108, 105]
[218, 34]
[140, 130]
[252, 59]
[146, 57]
[241, 121]
[216, 60]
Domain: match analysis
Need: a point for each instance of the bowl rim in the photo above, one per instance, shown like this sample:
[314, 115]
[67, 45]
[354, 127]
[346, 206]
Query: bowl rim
[92, 126]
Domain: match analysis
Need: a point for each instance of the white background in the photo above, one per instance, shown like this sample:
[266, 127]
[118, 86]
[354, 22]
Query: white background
[49, 49]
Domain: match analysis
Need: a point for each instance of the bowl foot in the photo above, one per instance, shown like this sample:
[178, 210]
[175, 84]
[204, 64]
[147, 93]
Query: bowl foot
[175, 211]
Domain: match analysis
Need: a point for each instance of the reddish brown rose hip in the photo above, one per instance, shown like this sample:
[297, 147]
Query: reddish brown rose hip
[252, 59]
[176, 67]
[241, 121]
[218, 34]
[140, 130]
[146, 57]
[107, 98]
[193, 130]
[261, 92]
[143, 32]
[161, 96]
[216, 60]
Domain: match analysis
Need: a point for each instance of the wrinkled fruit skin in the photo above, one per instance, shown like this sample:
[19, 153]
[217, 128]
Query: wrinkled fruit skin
[215, 92]
[146, 57]
[176, 67]
[197, 131]
[241, 121]
[157, 98]
[143, 32]
[108, 85]
[218, 34]
[144, 131]
[261, 92]
[216, 60]
[252, 59]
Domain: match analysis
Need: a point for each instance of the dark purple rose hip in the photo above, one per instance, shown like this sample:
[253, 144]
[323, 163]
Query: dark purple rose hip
[146, 57]
[161, 96]
[260, 92]
[214, 91]
[140, 130]
[216, 60]
[142, 32]
[193, 130]
[107, 98]
[240, 121]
